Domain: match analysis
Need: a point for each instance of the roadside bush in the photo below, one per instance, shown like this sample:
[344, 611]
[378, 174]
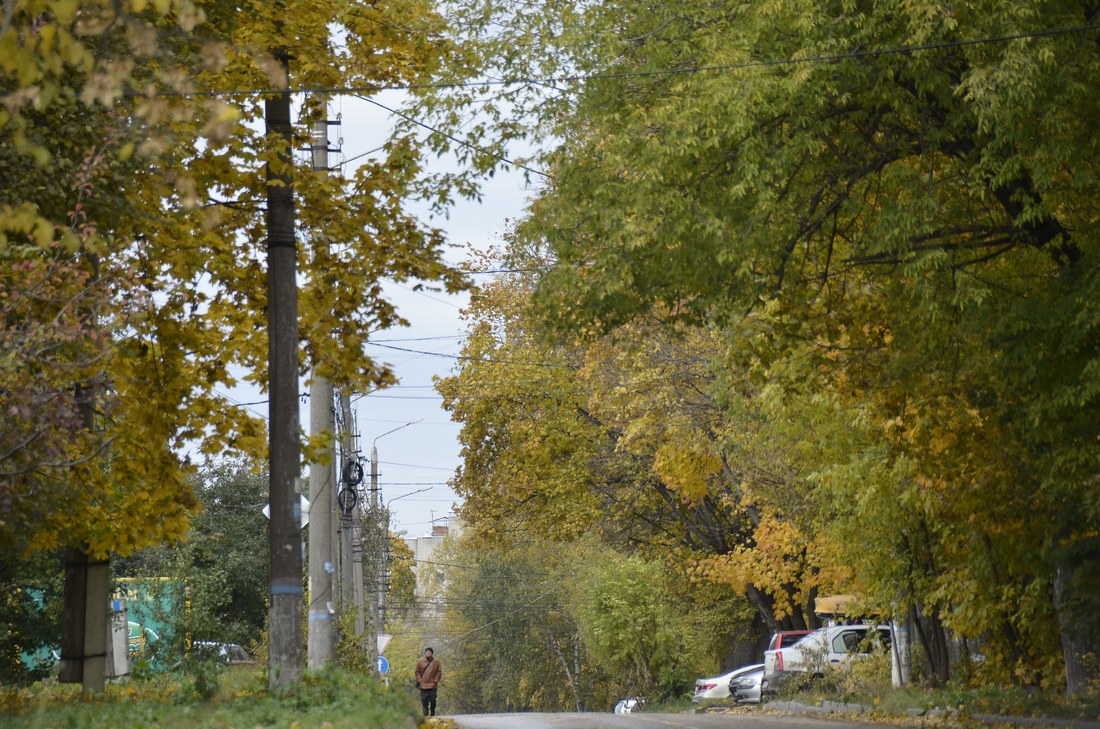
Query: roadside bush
[867, 676]
[353, 652]
[334, 699]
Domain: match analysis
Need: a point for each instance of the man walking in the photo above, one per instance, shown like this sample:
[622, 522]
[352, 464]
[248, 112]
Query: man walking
[428, 675]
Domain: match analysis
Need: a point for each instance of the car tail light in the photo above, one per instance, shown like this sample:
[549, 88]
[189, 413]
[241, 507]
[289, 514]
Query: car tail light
[705, 687]
[778, 661]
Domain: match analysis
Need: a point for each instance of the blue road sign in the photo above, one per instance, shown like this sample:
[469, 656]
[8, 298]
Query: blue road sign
[383, 664]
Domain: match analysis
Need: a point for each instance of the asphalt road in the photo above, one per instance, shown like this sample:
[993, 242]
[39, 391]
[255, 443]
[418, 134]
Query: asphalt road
[646, 721]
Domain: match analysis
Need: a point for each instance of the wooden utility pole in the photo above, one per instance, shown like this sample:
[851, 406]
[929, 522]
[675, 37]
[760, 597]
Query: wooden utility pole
[321, 646]
[285, 540]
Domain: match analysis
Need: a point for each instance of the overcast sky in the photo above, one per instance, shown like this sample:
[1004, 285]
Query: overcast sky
[423, 455]
[417, 442]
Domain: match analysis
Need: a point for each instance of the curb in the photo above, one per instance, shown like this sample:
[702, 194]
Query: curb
[838, 707]
[1036, 721]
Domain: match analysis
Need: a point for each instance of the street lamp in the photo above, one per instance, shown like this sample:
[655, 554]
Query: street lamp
[374, 462]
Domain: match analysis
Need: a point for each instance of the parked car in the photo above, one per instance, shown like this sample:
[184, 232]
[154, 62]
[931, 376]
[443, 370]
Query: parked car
[784, 638]
[832, 646]
[230, 654]
[629, 706]
[719, 686]
[745, 686]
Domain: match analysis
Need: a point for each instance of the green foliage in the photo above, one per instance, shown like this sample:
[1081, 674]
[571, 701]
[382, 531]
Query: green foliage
[30, 613]
[510, 641]
[226, 584]
[648, 626]
[892, 252]
[354, 652]
[132, 232]
[340, 699]
[401, 596]
[540, 625]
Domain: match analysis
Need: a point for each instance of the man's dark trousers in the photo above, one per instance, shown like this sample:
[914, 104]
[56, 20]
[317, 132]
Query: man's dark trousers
[427, 700]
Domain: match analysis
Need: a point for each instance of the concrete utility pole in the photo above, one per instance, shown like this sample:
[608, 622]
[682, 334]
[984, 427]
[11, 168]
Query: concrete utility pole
[351, 548]
[375, 539]
[85, 648]
[321, 646]
[285, 540]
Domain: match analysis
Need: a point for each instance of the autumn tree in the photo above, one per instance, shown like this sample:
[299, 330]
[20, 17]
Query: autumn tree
[226, 584]
[630, 441]
[886, 211]
[527, 440]
[401, 589]
[615, 440]
[513, 644]
[132, 229]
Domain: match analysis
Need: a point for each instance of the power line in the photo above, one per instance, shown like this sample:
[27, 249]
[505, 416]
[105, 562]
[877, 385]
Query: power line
[453, 138]
[473, 567]
[245, 405]
[407, 397]
[421, 339]
[689, 70]
[416, 483]
[414, 465]
[465, 358]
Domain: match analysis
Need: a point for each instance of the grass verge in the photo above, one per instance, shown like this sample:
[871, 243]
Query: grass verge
[236, 699]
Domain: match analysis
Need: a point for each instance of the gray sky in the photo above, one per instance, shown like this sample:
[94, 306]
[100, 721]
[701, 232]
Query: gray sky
[415, 460]
[423, 455]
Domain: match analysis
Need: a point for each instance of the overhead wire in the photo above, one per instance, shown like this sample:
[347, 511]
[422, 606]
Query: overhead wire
[814, 59]
[470, 567]
[479, 628]
[354, 90]
[451, 137]
[465, 358]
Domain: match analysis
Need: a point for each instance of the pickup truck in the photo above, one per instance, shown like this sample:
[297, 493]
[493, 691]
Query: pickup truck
[832, 646]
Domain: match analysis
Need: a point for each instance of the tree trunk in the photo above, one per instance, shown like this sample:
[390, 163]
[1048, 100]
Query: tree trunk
[933, 641]
[1077, 675]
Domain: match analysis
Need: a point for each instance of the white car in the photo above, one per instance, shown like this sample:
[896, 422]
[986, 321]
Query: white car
[629, 706]
[745, 688]
[719, 686]
[230, 654]
[832, 646]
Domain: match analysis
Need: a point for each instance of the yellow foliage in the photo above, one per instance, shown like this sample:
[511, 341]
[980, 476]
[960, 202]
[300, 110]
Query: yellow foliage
[158, 195]
[687, 465]
[782, 562]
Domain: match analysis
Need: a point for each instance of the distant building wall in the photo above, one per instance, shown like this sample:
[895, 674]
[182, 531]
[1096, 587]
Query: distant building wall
[423, 549]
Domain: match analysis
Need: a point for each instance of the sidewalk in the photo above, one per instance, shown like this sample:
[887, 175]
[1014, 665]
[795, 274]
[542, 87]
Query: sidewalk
[839, 707]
